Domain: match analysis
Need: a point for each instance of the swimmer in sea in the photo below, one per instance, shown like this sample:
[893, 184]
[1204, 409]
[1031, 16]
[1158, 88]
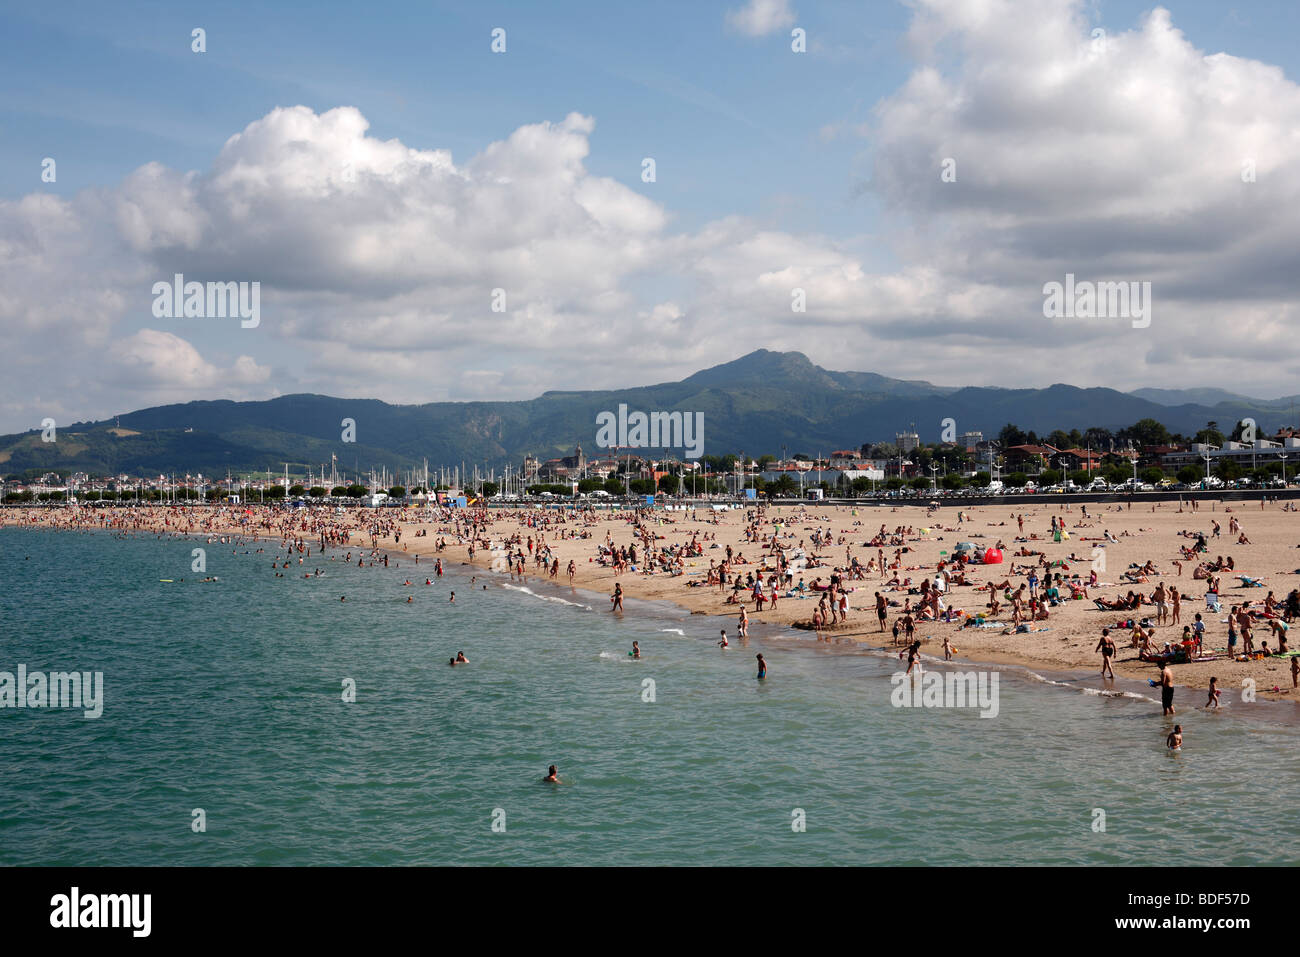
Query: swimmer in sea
[452, 662]
[552, 775]
[453, 597]
[762, 666]
[636, 650]
[409, 599]
[461, 659]
[1175, 740]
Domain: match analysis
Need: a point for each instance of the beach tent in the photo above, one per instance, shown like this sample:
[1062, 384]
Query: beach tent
[992, 556]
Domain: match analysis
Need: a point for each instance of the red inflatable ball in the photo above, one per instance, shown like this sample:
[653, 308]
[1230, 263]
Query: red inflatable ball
[993, 556]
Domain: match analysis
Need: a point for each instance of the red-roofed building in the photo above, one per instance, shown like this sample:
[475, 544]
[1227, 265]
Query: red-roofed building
[1035, 457]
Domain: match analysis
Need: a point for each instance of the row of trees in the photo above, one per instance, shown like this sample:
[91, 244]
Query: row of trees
[1141, 433]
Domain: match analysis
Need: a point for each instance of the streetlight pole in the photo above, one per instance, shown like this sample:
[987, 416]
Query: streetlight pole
[934, 484]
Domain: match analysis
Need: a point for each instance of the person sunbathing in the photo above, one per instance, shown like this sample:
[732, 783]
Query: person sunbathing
[996, 586]
[1128, 603]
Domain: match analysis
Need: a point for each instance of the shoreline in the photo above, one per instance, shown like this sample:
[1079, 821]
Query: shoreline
[1064, 650]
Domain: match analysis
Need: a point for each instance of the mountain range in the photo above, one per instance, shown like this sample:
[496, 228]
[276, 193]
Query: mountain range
[757, 403]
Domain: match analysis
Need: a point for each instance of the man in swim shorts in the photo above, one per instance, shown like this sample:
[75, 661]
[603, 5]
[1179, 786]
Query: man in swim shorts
[1107, 648]
[1167, 688]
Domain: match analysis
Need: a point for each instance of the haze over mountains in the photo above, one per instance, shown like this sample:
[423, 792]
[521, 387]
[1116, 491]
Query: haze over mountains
[757, 403]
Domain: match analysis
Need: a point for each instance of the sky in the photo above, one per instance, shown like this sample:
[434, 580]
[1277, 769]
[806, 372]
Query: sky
[429, 218]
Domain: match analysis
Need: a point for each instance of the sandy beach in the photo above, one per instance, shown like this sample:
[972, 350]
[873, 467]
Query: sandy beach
[1066, 640]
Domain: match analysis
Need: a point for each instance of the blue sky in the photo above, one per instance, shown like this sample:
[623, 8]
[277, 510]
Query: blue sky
[790, 148]
[734, 122]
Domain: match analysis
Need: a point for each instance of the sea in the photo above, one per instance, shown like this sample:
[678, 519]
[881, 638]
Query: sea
[257, 720]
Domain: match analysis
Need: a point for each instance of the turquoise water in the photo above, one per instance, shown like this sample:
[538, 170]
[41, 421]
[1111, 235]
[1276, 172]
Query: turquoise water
[228, 697]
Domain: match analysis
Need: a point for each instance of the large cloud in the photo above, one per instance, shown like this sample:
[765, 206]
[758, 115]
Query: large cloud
[1114, 155]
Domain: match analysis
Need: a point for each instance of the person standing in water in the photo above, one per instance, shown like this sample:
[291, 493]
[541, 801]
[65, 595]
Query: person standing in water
[1107, 648]
[762, 666]
[1167, 688]
[616, 599]
[1175, 740]
[914, 657]
[1213, 700]
[636, 650]
[723, 643]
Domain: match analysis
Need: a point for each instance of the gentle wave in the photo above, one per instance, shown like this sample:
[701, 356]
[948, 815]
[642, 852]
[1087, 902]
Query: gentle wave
[1099, 692]
[555, 598]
